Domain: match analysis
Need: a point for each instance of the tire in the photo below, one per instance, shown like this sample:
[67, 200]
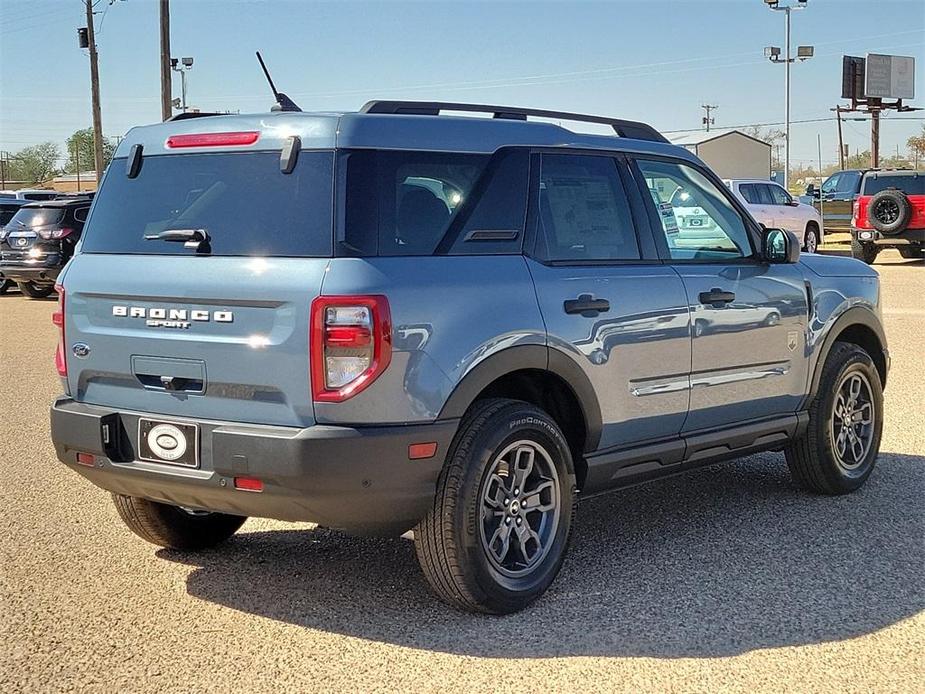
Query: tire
[173, 527]
[863, 250]
[5, 286]
[35, 291]
[889, 211]
[811, 238]
[912, 252]
[459, 541]
[814, 459]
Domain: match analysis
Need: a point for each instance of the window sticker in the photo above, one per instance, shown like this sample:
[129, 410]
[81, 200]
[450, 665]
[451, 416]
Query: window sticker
[669, 221]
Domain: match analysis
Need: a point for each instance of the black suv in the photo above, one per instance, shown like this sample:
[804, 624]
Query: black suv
[835, 198]
[37, 242]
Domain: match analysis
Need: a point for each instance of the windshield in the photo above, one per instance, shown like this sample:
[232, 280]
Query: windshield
[36, 217]
[242, 201]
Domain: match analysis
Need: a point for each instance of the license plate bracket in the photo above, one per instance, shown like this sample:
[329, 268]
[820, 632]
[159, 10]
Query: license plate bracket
[168, 443]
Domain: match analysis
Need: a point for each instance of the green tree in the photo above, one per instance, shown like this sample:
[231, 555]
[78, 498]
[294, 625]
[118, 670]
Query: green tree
[36, 163]
[81, 144]
[916, 145]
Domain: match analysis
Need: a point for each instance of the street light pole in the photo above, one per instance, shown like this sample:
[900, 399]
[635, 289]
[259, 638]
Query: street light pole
[773, 53]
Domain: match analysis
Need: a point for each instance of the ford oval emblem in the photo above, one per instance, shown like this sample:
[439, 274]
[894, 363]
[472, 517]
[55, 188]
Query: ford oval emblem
[81, 350]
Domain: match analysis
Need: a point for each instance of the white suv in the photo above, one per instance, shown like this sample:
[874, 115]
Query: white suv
[771, 205]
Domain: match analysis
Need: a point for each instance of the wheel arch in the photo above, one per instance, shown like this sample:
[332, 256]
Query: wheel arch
[544, 377]
[858, 326]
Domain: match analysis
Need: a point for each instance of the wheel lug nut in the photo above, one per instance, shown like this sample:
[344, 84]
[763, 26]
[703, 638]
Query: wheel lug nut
[520, 521]
[506, 501]
[516, 492]
[507, 520]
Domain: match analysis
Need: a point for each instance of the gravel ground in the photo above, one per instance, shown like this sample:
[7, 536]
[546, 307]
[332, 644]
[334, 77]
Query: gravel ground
[727, 578]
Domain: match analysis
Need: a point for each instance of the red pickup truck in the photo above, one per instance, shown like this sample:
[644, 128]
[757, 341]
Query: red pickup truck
[889, 213]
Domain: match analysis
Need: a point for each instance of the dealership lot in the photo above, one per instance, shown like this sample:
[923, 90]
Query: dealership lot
[725, 577]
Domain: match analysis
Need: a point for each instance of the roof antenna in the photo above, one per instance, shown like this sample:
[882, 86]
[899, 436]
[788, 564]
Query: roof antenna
[283, 102]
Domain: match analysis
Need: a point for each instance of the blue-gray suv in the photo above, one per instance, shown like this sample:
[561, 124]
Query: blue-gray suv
[408, 318]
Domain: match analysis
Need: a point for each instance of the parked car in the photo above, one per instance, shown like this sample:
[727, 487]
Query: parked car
[889, 213]
[834, 199]
[400, 320]
[37, 242]
[29, 195]
[8, 207]
[770, 204]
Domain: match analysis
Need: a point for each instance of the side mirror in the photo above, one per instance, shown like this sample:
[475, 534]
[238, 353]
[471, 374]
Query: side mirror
[794, 203]
[780, 246]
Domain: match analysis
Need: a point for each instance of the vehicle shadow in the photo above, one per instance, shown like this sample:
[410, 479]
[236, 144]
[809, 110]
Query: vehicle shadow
[720, 561]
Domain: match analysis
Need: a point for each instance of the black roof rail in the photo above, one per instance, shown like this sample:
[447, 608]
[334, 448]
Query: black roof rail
[194, 114]
[623, 128]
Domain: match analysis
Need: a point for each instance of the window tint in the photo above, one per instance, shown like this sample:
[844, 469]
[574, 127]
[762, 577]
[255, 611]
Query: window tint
[29, 216]
[243, 201]
[779, 195]
[749, 193]
[764, 195]
[848, 183]
[831, 183]
[402, 203]
[709, 229]
[909, 184]
[583, 210]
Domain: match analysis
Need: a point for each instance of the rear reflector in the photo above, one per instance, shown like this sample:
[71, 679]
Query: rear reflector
[58, 319]
[212, 140]
[248, 484]
[87, 459]
[419, 451]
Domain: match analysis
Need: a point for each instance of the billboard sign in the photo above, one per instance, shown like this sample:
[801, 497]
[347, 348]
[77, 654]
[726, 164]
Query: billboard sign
[889, 77]
[852, 77]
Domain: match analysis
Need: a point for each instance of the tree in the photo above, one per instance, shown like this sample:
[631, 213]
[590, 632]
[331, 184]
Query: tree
[82, 142]
[916, 145]
[36, 163]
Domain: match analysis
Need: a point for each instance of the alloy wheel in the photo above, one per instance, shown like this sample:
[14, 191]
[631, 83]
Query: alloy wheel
[520, 508]
[853, 420]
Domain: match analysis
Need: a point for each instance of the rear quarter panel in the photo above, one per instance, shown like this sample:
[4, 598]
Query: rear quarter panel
[448, 315]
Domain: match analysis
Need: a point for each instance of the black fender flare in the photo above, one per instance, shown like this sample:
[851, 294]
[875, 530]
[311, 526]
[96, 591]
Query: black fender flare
[529, 357]
[856, 315]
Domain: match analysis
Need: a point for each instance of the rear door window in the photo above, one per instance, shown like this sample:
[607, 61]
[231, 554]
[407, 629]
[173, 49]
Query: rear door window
[584, 212]
[764, 194]
[749, 193]
[242, 200]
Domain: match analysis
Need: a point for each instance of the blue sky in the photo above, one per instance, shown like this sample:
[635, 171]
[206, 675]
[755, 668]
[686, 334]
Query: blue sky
[647, 60]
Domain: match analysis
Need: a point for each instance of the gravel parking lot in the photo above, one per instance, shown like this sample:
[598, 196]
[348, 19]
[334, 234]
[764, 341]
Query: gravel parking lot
[726, 578]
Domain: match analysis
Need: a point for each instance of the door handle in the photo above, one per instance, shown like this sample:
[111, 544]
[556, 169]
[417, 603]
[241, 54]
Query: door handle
[717, 298]
[587, 306]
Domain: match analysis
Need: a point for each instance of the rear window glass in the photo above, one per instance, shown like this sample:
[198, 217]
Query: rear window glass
[37, 216]
[910, 185]
[242, 200]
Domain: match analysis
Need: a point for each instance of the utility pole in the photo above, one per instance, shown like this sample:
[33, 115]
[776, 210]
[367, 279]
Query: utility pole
[841, 142]
[166, 87]
[77, 161]
[707, 121]
[95, 93]
[874, 106]
[819, 150]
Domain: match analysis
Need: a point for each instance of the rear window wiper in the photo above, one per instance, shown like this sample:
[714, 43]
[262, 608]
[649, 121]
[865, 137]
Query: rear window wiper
[197, 239]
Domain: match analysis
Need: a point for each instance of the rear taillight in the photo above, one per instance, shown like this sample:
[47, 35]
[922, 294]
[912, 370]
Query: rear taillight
[58, 319]
[351, 344]
[55, 233]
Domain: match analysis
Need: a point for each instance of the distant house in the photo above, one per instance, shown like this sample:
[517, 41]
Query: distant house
[69, 183]
[730, 153]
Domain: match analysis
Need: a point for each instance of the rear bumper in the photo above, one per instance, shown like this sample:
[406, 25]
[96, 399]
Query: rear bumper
[29, 273]
[357, 479]
[903, 238]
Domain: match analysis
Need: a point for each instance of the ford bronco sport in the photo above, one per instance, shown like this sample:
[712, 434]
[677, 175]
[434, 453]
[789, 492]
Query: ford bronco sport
[889, 213]
[445, 324]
